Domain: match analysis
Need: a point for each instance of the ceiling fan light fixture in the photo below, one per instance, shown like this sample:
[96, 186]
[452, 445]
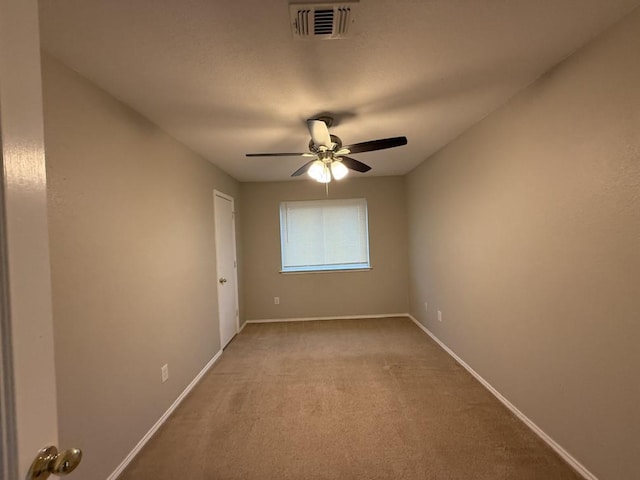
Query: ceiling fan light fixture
[326, 176]
[319, 172]
[338, 170]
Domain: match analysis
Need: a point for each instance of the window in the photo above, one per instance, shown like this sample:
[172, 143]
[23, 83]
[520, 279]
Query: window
[324, 235]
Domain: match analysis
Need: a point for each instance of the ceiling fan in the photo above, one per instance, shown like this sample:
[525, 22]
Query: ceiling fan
[328, 155]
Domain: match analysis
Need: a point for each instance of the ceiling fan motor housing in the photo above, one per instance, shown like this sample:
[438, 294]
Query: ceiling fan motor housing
[316, 149]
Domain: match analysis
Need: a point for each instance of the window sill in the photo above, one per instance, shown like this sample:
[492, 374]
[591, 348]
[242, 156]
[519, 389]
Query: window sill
[338, 270]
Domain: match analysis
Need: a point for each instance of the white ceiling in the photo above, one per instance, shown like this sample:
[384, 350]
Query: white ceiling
[226, 78]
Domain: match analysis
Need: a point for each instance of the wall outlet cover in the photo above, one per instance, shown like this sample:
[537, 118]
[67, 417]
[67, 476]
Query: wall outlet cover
[165, 372]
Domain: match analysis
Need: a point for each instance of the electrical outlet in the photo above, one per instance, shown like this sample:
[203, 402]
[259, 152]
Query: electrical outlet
[426, 307]
[439, 316]
[276, 300]
[165, 372]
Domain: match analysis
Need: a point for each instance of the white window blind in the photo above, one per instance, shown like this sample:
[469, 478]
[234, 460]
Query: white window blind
[324, 235]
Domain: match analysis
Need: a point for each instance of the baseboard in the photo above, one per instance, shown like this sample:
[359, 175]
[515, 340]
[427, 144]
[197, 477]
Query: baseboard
[242, 327]
[343, 317]
[116, 473]
[581, 469]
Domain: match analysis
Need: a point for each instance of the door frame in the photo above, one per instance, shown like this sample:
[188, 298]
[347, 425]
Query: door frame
[8, 437]
[29, 417]
[235, 260]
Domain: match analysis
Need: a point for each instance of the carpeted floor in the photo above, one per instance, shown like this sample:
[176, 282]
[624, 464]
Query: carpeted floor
[346, 399]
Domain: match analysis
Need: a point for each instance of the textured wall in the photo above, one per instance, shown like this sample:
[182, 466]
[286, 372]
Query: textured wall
[381, 290]
[133, 267]
[525, 232]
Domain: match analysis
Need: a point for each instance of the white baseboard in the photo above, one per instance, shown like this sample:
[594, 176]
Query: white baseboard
[581, 469]
[116, 473]
[343, 317]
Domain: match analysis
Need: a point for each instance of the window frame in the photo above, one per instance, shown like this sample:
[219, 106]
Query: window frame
[325, 268]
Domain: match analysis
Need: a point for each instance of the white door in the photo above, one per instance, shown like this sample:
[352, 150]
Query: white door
[226, 261]
[28, 413]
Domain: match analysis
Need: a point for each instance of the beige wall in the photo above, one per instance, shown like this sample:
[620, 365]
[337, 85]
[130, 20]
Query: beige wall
[525, 232]
[382, 290]
[133, 267]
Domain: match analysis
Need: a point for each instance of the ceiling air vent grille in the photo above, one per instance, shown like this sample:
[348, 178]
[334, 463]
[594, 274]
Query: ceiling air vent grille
[322, 21]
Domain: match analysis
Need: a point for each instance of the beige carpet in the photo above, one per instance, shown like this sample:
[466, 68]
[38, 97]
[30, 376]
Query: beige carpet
[348, 399]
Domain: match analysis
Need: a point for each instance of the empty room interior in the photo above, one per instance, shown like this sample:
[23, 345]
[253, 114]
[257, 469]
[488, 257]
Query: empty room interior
[373, 239]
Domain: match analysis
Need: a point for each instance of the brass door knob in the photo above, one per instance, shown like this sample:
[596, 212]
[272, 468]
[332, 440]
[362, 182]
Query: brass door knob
[49, 461]
[222, 281]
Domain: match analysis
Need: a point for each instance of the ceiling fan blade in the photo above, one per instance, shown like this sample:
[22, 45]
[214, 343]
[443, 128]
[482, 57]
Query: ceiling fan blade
[302, 169]
[372, 145]
[279, 155]
[319, 133]
[354, 164]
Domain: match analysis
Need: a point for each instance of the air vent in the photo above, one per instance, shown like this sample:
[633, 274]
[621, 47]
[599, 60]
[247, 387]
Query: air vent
[322, 21]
